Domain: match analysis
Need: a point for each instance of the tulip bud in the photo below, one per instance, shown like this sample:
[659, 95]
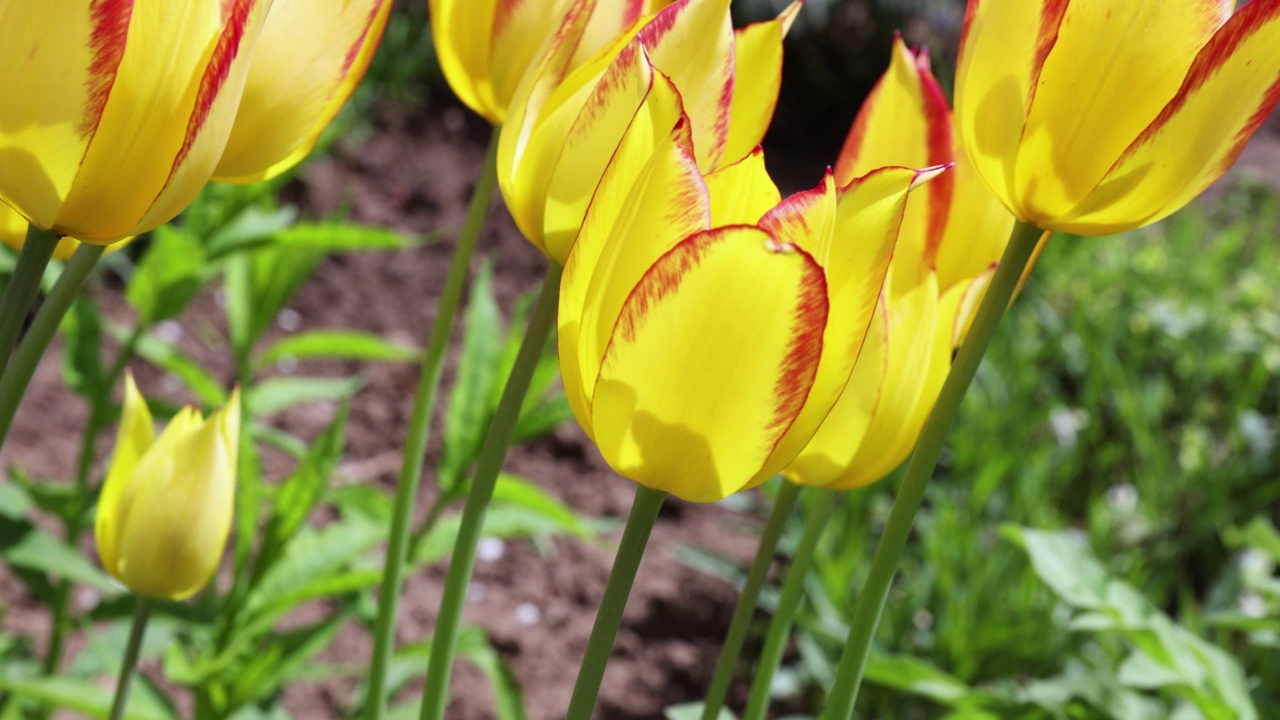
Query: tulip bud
[166, 507]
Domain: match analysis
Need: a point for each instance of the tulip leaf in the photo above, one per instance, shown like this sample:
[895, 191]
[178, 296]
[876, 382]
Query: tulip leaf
[165, 356]
[40, 551]
[508, 701]
[336, 344]
[338, 236]
[168, 277]
[285, 655]
[83, 696]
[693, 711]
[82, 351]
[468, 410]
[251, 228]
[276, 394]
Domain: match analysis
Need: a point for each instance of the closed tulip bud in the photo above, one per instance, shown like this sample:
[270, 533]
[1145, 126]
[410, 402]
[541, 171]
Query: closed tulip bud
[166, 506]
[1099, 116]
[953, 234]
[569, 114]
[309, 59]
[706, 327]
[485, 46]
[113, 115]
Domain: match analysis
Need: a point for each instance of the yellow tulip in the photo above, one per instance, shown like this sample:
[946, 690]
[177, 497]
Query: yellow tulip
[309, 59]
[13, 232]
[166, 506]
[952, 235]
[485, 46]
[1099, 116]
[706, 327]
[569, 112]
[113, 114]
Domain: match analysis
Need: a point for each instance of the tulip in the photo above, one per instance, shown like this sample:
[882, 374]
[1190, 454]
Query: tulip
[953, 233]
[569, 114]
[309, 59]
[485, 46]
[1099, 117]
[705, 326]
[165, 510]
[13, 232]
[114, 114]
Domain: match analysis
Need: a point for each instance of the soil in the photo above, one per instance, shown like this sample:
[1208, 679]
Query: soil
[414, 173]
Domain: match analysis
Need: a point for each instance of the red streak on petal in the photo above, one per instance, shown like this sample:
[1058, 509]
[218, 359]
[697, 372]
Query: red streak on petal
[354, 51]
[1269, 101]
[724, 106]
[1051, 16]
[503, 13]
[660, 280]
[662, 23]
[215, 75]
[1208, 62]
[970, 12]
[804, 350]
[107, 40]
[941, 189]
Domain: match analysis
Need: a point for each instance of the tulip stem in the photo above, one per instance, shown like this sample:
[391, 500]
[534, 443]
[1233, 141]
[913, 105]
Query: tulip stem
[129, 664]
[23, 287]
[819, 512]
[415, 449]
[747, 601]
[494, 450]
[884, 566]
[644, 511]
[17, 374]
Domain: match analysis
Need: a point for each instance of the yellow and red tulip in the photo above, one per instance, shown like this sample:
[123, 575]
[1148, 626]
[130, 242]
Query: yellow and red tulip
[485, 46]
[706, 327]
[1099, 116]
[308, 61]
[952, 235]
[13, 232]
[569, 114]
[113, 115]
[166, 506]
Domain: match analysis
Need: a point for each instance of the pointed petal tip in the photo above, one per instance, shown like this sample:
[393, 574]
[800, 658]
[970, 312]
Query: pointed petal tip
[924, 175]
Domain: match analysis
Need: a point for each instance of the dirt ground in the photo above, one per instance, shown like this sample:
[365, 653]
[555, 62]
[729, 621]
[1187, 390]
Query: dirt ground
[414, 173]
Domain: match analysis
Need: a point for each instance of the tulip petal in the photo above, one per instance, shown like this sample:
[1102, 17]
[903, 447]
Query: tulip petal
[161, 133]
[977, 228]
[757, 78]
[43, 138]
[462, 32]
[1003, 49]
[741, 193]
[1114, 65]
[310, 58]
[906, 121]
[712, 356]
[135, 435]
[692, 43]
[640, 212]
[187, 474]
[1230, 90]
[624, 119]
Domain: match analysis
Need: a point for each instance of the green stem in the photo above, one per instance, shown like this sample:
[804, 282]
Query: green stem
[23, 287]
[445, 642]
[609, 616]
[419, 428]
[17, 374]
[747, 601]
[870, 606]
[130, 662]
[99, 412]
[792, 590]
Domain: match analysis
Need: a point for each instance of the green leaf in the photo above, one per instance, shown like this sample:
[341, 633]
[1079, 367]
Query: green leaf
[83, 696]
[542, 417]
[165, 356]
[693, 711]
[508, 701]
[168, 277]
[251, 228]
[15, 503]
[1259, 534]
[909, 674]
[545, 510]
[336, 236]
[468, 410]
[38, 550]
[82, 349]
[1063, 561]
[336, 344]
[276, 394]
[284, 657]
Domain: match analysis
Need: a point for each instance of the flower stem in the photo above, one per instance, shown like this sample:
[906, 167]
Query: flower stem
[747, 601]
[130, 662]
[17, 374]
[870, 606]
[445, 642]
[775, 643]
[415, 448]
[23, 287]
[644, 511]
